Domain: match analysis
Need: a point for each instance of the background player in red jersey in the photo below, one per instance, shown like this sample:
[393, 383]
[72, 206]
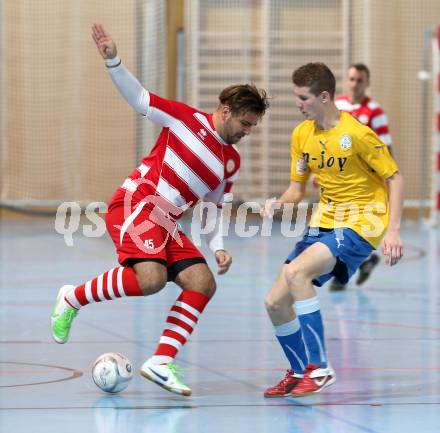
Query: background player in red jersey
[194, 159]
[360, 105]
[370, 113]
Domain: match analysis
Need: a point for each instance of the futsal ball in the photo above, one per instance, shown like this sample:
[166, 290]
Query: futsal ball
[112, 372]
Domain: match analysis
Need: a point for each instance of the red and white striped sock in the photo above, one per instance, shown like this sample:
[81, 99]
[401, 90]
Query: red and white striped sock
[181, 321]
[116, 283]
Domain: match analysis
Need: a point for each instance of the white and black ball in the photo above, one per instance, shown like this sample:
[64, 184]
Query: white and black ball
[112, 372]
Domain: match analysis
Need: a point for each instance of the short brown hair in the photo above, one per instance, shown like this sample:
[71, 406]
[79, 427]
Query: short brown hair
[242, 98]
[361, 67]
[317, 76]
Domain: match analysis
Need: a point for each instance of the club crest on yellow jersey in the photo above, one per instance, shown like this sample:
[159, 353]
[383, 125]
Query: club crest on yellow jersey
[345, 142]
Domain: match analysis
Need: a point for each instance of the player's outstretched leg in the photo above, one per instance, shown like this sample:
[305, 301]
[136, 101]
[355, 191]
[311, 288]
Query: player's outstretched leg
[116, 283]
[62, 316]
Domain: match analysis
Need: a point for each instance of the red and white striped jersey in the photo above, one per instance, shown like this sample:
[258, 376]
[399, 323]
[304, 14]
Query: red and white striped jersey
[368, 112]
[189, 162]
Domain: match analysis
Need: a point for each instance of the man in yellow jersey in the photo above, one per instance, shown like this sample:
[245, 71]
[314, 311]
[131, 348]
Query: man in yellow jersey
[360, 206]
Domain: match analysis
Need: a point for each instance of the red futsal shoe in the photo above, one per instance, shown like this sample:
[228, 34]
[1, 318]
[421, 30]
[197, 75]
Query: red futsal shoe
[315, 379]
[285, 386]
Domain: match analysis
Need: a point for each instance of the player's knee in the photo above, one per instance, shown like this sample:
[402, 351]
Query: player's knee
[272, 304]
[206, 285]
[295, 277]
[150, 284]
[211, 288]
[197, 278]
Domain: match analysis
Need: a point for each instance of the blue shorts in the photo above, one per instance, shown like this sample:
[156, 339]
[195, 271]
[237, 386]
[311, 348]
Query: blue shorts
[349, 249]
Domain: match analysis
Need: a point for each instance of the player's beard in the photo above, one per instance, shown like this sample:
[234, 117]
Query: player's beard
[236, 138]
[232, 138]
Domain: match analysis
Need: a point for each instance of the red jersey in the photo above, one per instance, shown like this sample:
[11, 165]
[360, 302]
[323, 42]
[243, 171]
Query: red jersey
[189, 162]
[368, 112]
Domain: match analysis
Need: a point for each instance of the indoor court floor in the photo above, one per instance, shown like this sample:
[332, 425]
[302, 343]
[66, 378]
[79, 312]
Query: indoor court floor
[383, 340]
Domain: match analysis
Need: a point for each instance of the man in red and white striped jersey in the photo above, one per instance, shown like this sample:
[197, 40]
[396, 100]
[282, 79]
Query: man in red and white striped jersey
[370, 113]
[360, 105]
[194, 159]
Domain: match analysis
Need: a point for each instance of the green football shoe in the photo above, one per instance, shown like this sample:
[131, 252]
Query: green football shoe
[166, 376]
[62, 316]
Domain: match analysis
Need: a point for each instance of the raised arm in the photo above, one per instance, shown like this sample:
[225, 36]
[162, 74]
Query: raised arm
[104, 42]
[128, 86]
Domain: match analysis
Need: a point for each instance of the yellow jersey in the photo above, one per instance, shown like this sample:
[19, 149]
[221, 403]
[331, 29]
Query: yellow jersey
[350, 164]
